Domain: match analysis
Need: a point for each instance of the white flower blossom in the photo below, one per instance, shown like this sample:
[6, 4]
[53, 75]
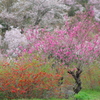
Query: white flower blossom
[1, 26]
[97, 17]
[14, 39]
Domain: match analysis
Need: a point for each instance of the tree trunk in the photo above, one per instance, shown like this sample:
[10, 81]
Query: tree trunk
[76, 76]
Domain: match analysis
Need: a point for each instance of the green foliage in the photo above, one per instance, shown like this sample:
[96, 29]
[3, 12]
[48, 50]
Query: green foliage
[93, 94]
[83, 2]
[2, 95]
[71, 12]
[91, 76]
[82, 96]
[5, 27]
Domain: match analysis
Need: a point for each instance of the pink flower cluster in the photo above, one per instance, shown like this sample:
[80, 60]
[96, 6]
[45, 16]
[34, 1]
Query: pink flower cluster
[78, 41]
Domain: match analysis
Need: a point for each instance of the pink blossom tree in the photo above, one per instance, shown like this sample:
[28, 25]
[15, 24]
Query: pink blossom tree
[77, 42]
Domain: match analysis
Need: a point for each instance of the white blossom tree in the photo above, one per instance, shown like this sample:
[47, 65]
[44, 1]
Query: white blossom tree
[34, 12]
[14, 39]
[21, 13]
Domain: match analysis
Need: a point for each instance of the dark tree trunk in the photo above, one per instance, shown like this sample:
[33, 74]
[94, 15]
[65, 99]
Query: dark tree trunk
[76, 76]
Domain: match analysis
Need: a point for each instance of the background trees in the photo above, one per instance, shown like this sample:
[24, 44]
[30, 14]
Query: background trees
[34, 12]
[45, 13]
[22, 13]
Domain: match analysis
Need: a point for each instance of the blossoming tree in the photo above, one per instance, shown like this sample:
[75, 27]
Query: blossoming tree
[75, 45]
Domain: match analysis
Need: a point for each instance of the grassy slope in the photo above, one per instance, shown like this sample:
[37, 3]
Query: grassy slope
[88, 95]
[94, 95]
